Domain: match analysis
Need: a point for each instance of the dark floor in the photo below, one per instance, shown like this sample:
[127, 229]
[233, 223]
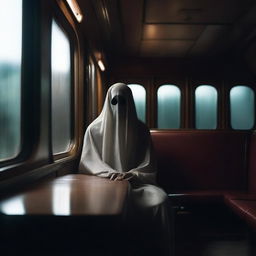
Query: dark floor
[213, 231]
[199, 231]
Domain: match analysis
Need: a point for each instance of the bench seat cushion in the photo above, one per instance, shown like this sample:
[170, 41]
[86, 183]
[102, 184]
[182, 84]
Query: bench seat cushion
[246, 209]
[239, 196]
[201, 196]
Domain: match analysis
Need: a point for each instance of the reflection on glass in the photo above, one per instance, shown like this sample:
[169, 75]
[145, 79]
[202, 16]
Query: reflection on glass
[13, 206]
[168, 107]
[139, 95]
[206, 97]
[242, 107]
[61, 90]
[61, 199]
[10, 77]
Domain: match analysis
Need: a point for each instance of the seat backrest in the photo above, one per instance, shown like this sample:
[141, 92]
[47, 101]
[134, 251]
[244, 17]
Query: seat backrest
[201, 159]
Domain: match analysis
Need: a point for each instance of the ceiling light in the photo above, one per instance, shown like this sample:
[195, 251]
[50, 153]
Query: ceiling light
[75, 9]
[101, 65]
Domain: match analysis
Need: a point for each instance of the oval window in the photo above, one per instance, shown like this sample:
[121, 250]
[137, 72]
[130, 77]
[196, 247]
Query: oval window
[168, 107]
[139, 96]
[206, 98]
[242, 107]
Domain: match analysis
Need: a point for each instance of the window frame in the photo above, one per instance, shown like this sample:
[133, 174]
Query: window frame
[36, 160]
[92, 100]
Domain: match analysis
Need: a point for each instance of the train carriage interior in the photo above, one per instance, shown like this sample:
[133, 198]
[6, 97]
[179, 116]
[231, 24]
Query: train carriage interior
[191, 67]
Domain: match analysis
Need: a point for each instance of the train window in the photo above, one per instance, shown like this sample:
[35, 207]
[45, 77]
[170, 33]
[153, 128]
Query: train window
[168, 107]
[139, 95]
[206, 98]
[10, 78]
[242, 107]
[61, 90]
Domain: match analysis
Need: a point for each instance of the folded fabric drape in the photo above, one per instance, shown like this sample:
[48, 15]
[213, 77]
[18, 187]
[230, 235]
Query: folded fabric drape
[117, 145]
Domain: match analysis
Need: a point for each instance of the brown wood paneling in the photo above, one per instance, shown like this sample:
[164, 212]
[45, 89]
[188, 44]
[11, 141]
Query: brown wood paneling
[120, 27]
[196, 11]
[211, 40]
[171, 31]
[166, 48]
[131, 12]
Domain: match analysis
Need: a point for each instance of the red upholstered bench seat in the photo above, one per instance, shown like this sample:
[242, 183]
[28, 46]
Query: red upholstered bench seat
[203, 196]
[198, 160]
[244, 204]
[197, 166]
[239, 196]
[246, 209]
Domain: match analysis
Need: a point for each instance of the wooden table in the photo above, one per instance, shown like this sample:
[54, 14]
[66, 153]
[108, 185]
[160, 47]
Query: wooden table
[70, 215]
[70, 195]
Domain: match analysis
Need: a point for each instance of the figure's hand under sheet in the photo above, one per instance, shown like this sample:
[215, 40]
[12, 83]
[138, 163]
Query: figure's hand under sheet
[121, 176]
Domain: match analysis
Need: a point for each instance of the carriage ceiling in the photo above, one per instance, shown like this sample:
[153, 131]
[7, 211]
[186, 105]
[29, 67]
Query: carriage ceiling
[171, 28]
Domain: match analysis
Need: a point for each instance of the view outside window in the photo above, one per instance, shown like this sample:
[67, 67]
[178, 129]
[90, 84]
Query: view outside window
[139, 95]
[61, 90]
[10, 78]
[206, 98]
[242, 102]
[168, 107]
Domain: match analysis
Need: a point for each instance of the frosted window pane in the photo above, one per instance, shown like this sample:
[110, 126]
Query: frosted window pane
[10, 78]
[242, 107]
[139, 95]
[61, 90]
[206, 107]
[168, 107]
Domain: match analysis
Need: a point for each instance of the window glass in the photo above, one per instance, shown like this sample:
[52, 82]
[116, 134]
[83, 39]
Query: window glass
[10, 78]
[139, 95]
[206, 97]
[168, 107]
[61, 90]
[242, 107]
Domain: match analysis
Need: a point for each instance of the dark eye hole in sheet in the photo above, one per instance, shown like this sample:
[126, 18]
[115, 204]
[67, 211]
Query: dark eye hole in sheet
[118, 99]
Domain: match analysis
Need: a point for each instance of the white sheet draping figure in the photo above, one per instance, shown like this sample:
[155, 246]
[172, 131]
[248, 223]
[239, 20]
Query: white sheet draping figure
[118, 146]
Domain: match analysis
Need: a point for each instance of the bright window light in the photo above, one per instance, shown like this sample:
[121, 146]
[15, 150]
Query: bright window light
[139, 96]
[14, 206]
[168, 107]
[60, 50]
[61, 200]
[206, 97]
[61, 90]
[10, 78]
[242, 104]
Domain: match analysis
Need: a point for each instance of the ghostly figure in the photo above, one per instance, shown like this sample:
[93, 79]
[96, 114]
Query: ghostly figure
[118, 146]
